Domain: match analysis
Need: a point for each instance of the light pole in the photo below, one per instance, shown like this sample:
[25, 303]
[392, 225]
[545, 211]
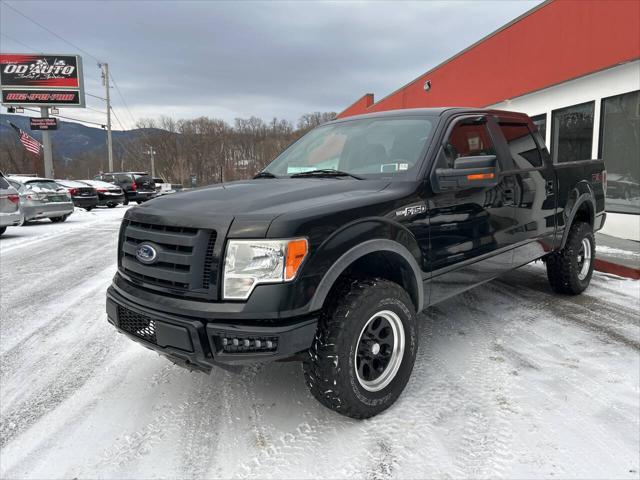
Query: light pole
[150, 151]
[105, 81]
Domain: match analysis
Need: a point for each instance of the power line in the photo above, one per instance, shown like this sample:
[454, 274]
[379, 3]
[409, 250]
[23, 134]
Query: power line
[95, 96]
[19, 42]
[67, 118]
[115, 84]
[124, 102]
[95, 110]
[50, 31]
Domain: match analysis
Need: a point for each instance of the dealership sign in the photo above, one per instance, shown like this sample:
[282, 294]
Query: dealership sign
[42, 80]
[43, 123]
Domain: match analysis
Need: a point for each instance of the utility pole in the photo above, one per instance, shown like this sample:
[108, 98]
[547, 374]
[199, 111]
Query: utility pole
[46, 146]
[105, 82]
[150, 151]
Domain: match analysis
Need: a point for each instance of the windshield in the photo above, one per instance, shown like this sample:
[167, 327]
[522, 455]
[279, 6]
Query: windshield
[380, 147]
[40, 185]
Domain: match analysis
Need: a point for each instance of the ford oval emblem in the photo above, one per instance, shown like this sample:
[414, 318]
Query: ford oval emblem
[146, 253]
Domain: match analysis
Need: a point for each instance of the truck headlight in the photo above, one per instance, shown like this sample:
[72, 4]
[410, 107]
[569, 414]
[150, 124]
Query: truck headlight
[249, 263]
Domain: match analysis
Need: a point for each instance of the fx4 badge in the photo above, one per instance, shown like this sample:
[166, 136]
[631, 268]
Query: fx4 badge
[414, 210]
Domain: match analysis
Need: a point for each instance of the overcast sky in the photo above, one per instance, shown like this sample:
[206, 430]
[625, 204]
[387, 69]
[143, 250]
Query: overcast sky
[237, 59]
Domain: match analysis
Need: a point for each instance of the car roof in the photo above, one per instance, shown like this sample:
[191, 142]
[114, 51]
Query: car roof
[71, 182]
[30, 179]
[99, 182]
[431, 112]
[124, 173]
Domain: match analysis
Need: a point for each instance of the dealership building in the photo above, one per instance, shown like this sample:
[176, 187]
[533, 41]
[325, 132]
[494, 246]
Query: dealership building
[574, 67]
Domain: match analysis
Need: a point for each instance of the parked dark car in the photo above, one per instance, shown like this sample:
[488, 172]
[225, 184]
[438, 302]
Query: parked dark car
[137, 186]
[109, 195]
[328, 254]
[83, 195]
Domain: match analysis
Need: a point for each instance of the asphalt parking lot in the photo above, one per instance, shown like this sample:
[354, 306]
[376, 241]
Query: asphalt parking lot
[510, 381]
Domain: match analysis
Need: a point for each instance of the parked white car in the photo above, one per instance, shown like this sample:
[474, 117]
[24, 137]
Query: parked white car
[42, 198]
[162, 186]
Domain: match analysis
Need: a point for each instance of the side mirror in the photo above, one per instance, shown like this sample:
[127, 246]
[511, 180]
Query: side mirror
[468, 172]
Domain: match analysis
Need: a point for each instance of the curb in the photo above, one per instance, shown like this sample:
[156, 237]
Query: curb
[617, 269]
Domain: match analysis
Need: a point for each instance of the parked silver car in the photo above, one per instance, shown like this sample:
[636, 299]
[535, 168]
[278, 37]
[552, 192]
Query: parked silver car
[42, 198]
[9, 205]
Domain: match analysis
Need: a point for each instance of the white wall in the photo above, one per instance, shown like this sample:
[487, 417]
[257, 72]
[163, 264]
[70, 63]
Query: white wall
[613, 81]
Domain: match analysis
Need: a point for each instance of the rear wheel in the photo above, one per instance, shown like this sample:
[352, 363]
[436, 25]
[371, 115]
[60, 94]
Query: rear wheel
[2, 230]
[569, 271]
[139, 202]
[126, 201]
[364, 349]
[112, 205]
[59, 219]
[88, 209]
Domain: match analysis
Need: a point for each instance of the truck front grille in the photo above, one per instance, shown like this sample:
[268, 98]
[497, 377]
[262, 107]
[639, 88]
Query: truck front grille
[137, 324]
[186, 264]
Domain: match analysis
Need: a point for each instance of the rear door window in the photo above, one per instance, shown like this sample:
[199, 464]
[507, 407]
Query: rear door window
[524, 150]
[3, 182]
[123, 178]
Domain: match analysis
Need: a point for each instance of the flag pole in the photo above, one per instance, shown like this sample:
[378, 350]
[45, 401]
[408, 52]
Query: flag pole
[46, 146]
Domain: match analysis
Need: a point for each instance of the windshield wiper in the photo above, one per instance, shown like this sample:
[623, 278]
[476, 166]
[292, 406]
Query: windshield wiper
[326, 172]
[265, 175]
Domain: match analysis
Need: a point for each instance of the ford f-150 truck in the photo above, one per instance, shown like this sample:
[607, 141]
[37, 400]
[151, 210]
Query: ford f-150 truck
[330, 252]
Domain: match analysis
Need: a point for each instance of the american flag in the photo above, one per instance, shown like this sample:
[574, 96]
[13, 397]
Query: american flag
[30, 143]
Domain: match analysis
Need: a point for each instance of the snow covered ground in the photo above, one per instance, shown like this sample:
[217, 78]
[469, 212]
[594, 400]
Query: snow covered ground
[510, 381]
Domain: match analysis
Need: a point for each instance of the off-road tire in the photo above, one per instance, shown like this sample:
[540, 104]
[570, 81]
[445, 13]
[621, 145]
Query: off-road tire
[563, 267]
[329, 369]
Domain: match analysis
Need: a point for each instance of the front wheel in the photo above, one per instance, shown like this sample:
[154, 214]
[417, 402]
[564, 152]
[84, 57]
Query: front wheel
[364, 349]
[569, 270]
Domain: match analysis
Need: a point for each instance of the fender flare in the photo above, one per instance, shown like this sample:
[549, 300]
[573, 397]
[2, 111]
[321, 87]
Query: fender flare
[582, 198]
[359, 251]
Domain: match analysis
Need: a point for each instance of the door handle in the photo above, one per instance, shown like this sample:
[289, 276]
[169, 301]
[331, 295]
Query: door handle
[550, 187]
[508, 196]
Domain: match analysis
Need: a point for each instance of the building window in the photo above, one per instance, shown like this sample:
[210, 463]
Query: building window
[620, 150]
[540, 121]
[572, 133]
[524, 151]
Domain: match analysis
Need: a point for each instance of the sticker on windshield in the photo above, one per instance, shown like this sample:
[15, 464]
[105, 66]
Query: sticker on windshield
[294, 169]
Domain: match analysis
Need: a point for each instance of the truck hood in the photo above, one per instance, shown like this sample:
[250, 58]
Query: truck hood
[270, 197]
[252, 204]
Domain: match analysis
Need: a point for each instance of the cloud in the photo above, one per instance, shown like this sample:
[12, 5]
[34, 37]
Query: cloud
[237, 59]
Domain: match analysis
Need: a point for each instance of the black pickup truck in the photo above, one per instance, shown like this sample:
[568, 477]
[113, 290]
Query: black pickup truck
[329, 253]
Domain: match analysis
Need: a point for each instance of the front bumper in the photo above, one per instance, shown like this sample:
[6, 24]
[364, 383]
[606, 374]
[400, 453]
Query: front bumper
[10, 219]
[47, 210]
[201, 344]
